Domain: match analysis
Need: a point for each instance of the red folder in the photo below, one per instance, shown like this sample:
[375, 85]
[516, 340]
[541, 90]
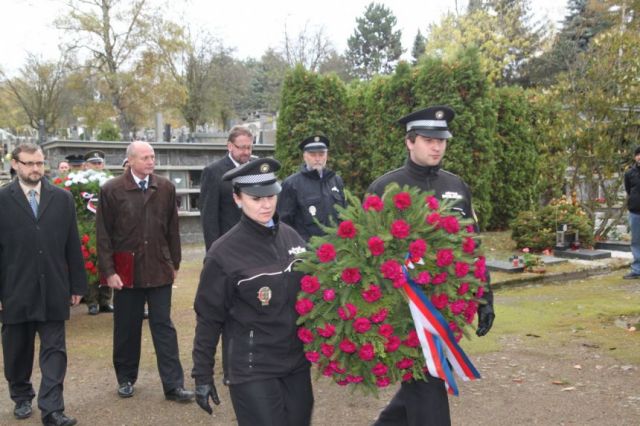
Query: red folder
[123, 262]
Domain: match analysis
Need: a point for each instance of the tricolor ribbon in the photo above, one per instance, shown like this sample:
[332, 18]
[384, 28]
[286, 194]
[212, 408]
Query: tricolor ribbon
[90, 201]
[439, 346]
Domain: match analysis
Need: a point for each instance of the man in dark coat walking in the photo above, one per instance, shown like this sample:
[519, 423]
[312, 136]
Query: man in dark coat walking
[218, 211]
[313, 192]
[41, 274]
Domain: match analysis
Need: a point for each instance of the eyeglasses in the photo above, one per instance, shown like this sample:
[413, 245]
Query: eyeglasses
[242, 148]
[31, 163]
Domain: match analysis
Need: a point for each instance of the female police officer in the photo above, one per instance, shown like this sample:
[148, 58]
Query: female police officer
[247, 293]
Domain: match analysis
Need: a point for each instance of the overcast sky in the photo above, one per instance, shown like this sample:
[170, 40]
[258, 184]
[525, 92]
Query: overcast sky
[249, 26]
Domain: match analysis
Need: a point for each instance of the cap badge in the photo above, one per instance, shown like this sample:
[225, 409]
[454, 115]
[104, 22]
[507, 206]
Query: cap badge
[264, 168]
[439, 115]
[264, 295]
[316, 139]
[312, 210]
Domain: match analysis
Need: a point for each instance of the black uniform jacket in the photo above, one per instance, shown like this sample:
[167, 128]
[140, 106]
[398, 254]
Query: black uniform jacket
[247, 292]
[218, 211]
[446, 185]
[305, 196]
[41, 263]
[632, 186]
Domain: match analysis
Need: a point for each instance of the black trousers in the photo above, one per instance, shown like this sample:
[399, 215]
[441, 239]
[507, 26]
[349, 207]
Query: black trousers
[283, 401]
[418, 403]
[18, 346]
[127, 334]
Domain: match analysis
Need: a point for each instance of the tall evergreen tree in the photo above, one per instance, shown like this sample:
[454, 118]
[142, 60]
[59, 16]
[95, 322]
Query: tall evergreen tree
[419, 44]
[375, 47]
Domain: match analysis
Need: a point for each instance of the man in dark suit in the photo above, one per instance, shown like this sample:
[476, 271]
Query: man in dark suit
[41, 274]
[138, 217]
[218, 211]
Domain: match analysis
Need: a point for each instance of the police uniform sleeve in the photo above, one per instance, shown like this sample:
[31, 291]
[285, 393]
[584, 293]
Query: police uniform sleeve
[287, 205]
[211, 305]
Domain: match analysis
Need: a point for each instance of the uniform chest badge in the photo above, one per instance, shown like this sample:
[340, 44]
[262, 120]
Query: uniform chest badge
[264, 295]
[452, 195]
[312, 210]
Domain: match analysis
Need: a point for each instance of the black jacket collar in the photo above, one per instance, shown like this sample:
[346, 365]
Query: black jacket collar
[421, 171]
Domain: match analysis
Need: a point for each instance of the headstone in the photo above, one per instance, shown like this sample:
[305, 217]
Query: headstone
[583, 254]
[504, 266]
[613, 245]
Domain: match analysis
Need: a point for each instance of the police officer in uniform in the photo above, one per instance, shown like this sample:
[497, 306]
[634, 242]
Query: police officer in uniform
[94, 160]
[76, 162]
[426, 402]
[247, 294]
[99, 297]
[313, 192]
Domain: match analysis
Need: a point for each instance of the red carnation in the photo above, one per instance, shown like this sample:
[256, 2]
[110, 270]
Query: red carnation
[327, 349]
[412, 340]
[468, 245]
[407, 376]
[450, 224]
[304, 306]
[433, 219]
[439, 278]
[351, 275]
[399, 282]
[423, 278]
[393, 343]
[327, 371]
[346, 229]
[312, 356]
[372, 293]
[417, 249]
[85, 239]
[326, 253]
[88, 265]
[347, 346]
[309, 284]
[328, 330]
[404, 363]
[379, 316]
[432, 202]
[329, 295]
[440, 300]
[383, 382]
[305, 335]
[349, 313]
[480, 292]
[444, 257]
[470, 229]
[376, 246]
[385, 330]
[85, 254]
[361, 325]
[470, 311]
[457, 306]
[463, 289]
[57, 181]
[481, 269]
[462, 269]
[92, 250]
[373, 202]
[400, 229]
[391, 270]
[366, 352]
[379, 369]
[354, 379]
[402, 200]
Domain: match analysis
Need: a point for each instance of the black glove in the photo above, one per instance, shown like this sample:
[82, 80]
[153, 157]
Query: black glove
[485, 319]
[203, 393]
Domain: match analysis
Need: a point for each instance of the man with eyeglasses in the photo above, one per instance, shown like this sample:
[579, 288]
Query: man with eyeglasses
[218, 211]
[41, 274]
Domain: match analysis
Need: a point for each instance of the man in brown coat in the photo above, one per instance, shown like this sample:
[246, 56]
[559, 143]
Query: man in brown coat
[137, 217]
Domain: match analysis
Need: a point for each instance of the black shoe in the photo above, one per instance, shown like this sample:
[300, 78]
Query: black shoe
[179, 395]
[125, 390]
[631, 276]
[93, 310]
[58, 418]
[145, 315]
[108, 308]
[22, 410]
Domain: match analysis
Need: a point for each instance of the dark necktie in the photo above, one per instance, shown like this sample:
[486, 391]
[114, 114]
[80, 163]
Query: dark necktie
[33, 202]
[143, 185]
